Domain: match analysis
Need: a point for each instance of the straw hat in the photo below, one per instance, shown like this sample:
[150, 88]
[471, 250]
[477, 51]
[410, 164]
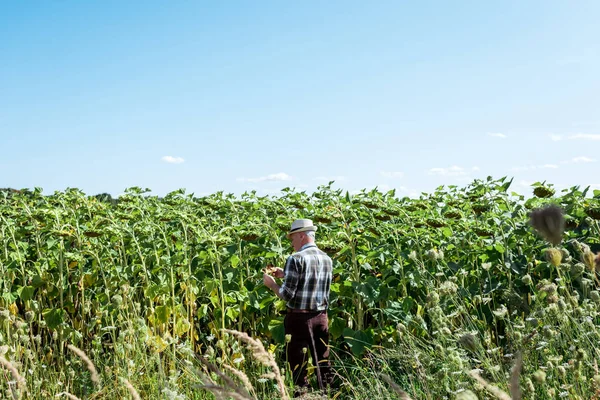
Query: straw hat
[302, 225]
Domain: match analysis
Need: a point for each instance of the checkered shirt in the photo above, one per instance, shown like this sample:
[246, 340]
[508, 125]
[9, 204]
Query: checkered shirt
[307, 279]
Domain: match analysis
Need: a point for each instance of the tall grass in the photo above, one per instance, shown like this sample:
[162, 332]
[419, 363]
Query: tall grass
[555, 354]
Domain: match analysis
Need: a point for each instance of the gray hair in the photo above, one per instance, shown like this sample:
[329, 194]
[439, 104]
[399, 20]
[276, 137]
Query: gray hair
[310, 234]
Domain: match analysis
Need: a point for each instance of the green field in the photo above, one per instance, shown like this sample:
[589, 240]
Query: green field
[425, 291]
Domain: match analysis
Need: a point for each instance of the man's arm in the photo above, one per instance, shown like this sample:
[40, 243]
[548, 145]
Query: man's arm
[286, 291]
[269, 282]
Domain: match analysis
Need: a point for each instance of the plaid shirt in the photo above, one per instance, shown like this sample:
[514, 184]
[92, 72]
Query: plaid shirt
[307, 279]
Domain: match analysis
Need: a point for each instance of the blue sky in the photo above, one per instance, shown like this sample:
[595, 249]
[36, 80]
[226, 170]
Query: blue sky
[261, 95]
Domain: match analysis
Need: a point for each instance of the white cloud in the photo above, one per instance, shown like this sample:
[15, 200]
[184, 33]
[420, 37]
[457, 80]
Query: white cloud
[384, 188]
[586, 123]
[281, 176]
[475, 168]
[465, 179]
[339, 178]
[583, 159]
[579, 160]
[584, 136]
[525, 184]
[392, 174]
[450, 171]
[173, 160]
[533, 167]
[519, 169]
[497, 135]
[575, 136]
[410, 192]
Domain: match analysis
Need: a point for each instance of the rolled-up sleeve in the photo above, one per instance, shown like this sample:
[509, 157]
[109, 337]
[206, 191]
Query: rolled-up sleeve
[290, 282]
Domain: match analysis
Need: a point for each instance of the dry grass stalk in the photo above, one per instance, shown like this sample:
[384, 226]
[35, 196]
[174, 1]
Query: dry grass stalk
[489, 387]
[68, 396]
[219, 391]
[90, 365]
[21, 383]
[549, 222]
[395, 387]
[134, 394]
[263, 356]
[232, 386]
[242, 377]
[515, 390]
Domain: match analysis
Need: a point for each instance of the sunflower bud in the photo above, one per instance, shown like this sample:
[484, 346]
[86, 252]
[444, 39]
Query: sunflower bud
[553, 256]
[588, 259]
[539, 376]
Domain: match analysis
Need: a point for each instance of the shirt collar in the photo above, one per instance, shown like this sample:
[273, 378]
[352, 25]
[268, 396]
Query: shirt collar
[307, 245]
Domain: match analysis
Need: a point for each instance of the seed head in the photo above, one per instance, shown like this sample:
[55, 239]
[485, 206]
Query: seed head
[588, 259]
[553, 256]
[561, 371]
[468, 341]
[433, 298]
[529, 386]
[539, 376]
[549, 222]
[466, 395]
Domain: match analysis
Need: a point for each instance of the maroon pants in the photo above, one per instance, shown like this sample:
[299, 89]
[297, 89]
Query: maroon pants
[309, 331]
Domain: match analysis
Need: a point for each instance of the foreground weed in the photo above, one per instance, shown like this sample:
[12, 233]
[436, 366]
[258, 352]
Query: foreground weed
[20, 381]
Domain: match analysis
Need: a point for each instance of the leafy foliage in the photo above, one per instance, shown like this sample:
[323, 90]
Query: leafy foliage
[75, 266]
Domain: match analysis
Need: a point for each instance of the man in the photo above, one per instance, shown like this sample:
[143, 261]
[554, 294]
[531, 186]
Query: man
[307, 280]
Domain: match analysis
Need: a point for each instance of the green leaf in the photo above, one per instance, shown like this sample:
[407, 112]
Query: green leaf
[253, 300]
[37, 281]
[53, 317]
[26, 292]
[9, 297]
[232, 313]
[234, 260]
[182, 326]
[277, 330]
[162, 313]
[499, 248]
[156, 290]
[358, 341]
[337, 327]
